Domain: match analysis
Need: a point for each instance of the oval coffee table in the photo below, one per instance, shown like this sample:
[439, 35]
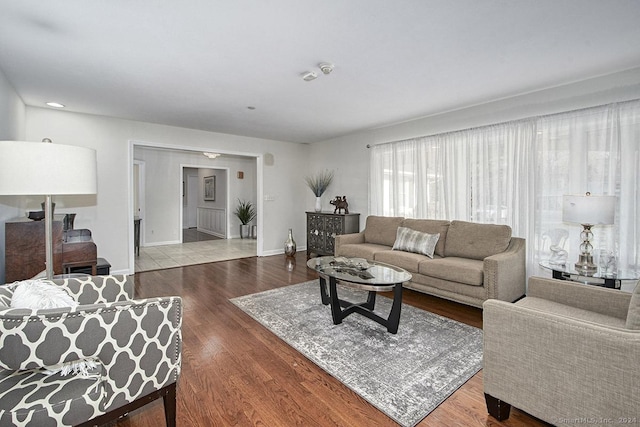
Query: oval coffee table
[362, 274]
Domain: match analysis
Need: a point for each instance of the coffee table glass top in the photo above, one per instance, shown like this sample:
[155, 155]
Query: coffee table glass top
[359, 270]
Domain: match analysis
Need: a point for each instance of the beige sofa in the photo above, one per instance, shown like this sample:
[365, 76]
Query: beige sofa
[471, 262]
[567, 354]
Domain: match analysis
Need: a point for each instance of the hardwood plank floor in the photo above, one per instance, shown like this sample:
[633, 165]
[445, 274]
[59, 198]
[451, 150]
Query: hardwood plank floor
[237, 373]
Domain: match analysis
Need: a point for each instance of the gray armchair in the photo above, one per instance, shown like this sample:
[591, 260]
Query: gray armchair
[136, 345]
[566, 352]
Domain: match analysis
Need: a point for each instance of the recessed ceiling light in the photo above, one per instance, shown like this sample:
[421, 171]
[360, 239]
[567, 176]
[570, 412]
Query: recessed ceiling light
[55, 105]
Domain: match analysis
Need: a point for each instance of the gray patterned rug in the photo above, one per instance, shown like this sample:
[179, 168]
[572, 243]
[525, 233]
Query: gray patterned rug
[406, 375]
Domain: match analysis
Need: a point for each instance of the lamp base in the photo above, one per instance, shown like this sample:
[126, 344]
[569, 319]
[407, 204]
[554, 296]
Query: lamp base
[585, 265]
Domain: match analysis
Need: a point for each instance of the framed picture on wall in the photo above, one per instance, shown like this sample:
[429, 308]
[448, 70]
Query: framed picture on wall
[210, 188]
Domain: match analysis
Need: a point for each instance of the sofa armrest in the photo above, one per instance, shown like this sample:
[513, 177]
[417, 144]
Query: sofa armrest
[610, 302]
[347, 239]
[505, 273]
[98, 289]
[556, 368]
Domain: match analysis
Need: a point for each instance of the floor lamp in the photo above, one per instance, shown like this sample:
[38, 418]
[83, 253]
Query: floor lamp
[46, 169]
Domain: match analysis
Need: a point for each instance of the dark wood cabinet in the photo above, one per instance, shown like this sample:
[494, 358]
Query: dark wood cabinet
[25, 249]
[24, 246]
[322, 229]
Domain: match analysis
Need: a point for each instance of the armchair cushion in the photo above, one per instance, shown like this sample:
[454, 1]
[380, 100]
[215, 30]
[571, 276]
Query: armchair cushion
[35, 398]
[633, 316]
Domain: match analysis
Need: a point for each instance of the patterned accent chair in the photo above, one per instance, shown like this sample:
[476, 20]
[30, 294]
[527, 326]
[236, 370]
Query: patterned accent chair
[136, 345]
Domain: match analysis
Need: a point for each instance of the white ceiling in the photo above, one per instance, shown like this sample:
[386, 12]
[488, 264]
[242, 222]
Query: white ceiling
[200, 63]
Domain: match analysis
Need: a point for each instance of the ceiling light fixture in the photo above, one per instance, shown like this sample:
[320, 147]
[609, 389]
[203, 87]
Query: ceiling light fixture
[325, 67]
[212, 155]
[55, 104]
[307, 76]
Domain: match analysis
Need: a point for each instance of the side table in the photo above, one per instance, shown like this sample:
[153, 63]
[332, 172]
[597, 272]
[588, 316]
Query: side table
[613, 281]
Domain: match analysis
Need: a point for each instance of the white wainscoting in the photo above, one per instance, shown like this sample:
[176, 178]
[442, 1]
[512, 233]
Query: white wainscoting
[213, 221]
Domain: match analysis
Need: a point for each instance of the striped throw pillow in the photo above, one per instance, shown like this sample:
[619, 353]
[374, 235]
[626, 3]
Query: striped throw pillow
[409, 240]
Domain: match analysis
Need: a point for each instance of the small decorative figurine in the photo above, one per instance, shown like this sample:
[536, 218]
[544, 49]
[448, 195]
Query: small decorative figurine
[558, 255]
[340, 202]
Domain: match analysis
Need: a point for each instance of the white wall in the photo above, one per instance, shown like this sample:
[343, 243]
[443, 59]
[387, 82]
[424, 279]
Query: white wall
[349, 155]
[12, 127]
[110, 217]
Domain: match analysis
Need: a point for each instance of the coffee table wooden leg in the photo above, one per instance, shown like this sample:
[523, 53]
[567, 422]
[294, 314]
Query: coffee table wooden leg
[371, 301]
[396, 307]
[324, 297]
[336, 311]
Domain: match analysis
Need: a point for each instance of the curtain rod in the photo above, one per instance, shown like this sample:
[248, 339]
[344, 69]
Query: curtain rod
[544, 116]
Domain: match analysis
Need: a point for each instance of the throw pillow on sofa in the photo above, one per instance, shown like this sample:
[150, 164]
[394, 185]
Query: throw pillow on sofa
[409, 240]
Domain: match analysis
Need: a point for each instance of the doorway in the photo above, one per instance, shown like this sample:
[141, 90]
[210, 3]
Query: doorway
[158, 203]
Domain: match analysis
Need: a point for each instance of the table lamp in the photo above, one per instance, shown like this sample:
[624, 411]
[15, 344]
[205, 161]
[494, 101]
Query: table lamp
[588, 210]
[46, 169]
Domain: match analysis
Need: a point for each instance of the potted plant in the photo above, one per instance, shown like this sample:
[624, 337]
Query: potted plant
[319, 184]
[246, 212]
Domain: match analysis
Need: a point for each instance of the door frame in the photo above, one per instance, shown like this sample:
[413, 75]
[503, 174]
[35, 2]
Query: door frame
[259, 159]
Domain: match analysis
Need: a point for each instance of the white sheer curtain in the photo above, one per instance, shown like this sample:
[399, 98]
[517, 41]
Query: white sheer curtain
[516, 173]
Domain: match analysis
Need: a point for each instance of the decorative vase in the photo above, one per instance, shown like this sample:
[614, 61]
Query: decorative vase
[290, 245]
[245, 231]
[318, 204]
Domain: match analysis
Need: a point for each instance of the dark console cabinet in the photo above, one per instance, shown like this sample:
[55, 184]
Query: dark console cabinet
[25, 249]
[322, 229]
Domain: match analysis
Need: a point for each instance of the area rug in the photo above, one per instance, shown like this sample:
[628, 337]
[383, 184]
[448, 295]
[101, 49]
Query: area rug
[406, 375]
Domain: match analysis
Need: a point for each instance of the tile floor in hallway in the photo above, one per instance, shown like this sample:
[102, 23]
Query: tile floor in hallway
[167, 256]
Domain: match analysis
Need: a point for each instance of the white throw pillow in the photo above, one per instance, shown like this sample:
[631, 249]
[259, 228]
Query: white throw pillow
[410, 240]
[35, 294]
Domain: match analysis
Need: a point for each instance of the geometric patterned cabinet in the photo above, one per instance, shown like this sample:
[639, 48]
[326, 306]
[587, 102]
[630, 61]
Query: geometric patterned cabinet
[322, 229]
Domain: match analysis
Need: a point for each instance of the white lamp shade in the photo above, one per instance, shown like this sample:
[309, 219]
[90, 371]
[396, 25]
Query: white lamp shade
[41, 168]
[591, 210]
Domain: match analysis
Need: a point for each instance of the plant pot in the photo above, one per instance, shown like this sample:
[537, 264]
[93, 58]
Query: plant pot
[245, 231]
[318, 204]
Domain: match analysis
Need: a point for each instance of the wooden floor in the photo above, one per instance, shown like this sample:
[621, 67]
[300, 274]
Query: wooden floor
[237, 373]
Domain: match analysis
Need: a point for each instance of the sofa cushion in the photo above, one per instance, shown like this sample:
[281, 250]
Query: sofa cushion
[361, 250]
[431, 226]
[633, 317]
[476, 241]
[461, 270]
[407, 260]
[381, 230]
[409, 240]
